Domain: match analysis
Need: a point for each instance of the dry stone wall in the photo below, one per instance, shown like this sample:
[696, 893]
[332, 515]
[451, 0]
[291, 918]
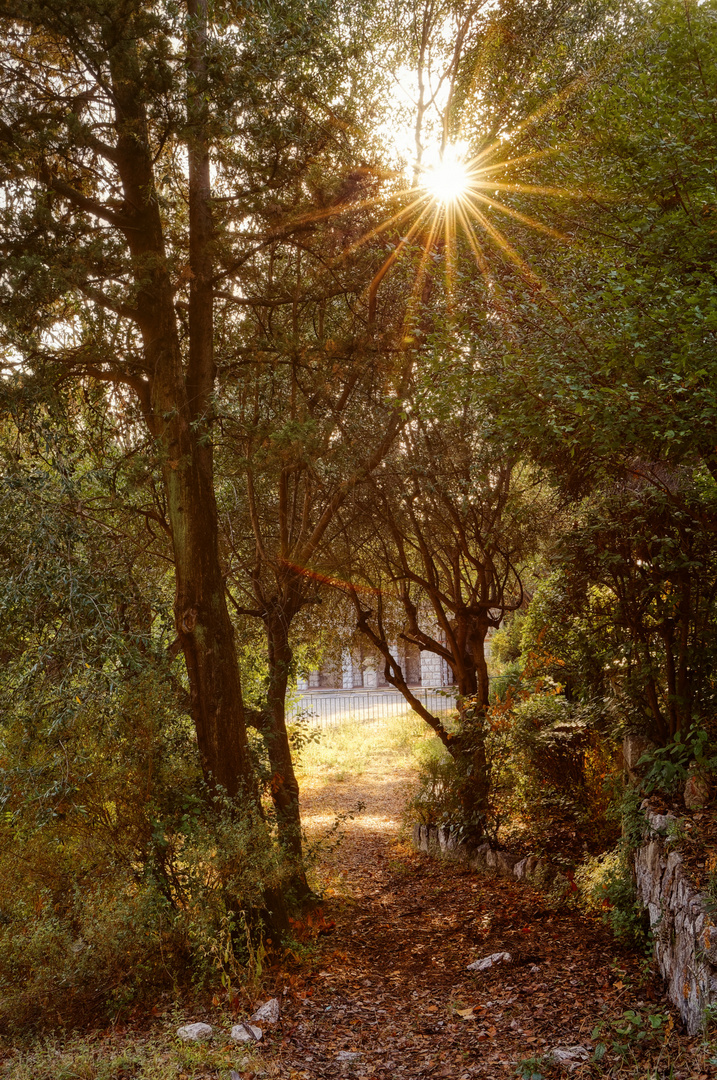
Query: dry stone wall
[685, 933]
[684, 930]
[439, 840]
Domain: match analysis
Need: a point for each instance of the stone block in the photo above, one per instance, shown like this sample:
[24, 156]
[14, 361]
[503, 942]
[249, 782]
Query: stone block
[634, 746]
[685, 940]
[505, 863]
[697, 791]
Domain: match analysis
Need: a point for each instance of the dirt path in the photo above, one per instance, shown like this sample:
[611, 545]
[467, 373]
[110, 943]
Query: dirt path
[390, 995]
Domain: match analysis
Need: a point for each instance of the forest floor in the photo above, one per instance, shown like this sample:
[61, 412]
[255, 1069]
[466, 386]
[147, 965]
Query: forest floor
[390, 984]
[377, 985]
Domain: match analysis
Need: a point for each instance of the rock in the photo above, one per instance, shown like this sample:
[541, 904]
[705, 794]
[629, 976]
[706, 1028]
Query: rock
[245, 1033]
[531, 868]
[347, 1055]
[634, 746]
[505, 863]
[709, 939]
[478, 858]
[195, 1032]
[268, 1012]
[451, 847]
[489, 961]
[569, 1055]
[520, 870]
[425, 837]
[491, 859]
[697, 791]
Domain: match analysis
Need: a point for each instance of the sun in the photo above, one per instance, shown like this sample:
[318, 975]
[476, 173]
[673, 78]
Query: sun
[449, 179]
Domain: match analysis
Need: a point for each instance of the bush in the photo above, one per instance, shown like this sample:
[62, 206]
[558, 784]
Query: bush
[118, 871]
[437, 800]
[607, 885]
[668, 767]
[553, 773]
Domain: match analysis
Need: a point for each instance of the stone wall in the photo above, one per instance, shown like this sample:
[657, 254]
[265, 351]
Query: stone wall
[438, 840]
[684, 930]
[685, 933]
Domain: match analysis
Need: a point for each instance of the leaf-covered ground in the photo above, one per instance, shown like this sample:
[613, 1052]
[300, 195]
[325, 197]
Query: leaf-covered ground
[377, 987]
[392, 987]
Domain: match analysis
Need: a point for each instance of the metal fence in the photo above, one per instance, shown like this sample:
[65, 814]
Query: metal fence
[330, 708]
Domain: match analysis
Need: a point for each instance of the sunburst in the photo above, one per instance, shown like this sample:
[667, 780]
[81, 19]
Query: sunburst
[448, 180]
[457, 195]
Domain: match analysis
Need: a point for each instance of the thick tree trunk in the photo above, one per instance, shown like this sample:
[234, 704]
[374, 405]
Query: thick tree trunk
[176, 412]
[204, 627]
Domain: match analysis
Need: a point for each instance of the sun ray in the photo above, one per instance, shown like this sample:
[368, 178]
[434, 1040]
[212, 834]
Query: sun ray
[529, 189]
[505, 246]
[390, 260]
[450, 237]
[419, 280]
[478, 252]
[522, 159]
[556, 100]
[398, 216]
[510, 212]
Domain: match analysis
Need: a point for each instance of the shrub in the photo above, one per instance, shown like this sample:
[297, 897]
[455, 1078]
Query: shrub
[118, 870]
[607, 885]
[437, 799]
[553, 773]
[668, 767]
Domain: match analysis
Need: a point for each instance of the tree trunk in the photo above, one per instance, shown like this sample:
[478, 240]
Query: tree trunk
[469, 748]
[177, 419]
[284, 785]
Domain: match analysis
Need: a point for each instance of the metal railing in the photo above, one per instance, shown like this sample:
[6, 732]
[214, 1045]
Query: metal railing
[330, 708]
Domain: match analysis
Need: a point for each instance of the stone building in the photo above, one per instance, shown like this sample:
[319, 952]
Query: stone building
[362, 668]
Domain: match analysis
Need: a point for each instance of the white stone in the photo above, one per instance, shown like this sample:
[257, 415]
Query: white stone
[505, 863]
[633, 747]
[245, 1033]
[488, 961]
[347, 670]
[370, 676]
[195, 1032]
[566, 1055]
[268, 1012]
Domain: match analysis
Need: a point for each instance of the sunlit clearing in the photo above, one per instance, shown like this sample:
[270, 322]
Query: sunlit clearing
[449, 179]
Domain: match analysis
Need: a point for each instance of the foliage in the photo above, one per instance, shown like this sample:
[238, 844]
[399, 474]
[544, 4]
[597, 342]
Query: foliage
[437, 798]
[506, 642]
[553, 773]
[534, 1068]
[108, 900]
[629, 1032]
[118, 869]
[607, 885]
[668, 767]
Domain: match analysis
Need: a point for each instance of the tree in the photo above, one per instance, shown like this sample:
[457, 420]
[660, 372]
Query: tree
[437, 559]
[317, 406]
[115, 253]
